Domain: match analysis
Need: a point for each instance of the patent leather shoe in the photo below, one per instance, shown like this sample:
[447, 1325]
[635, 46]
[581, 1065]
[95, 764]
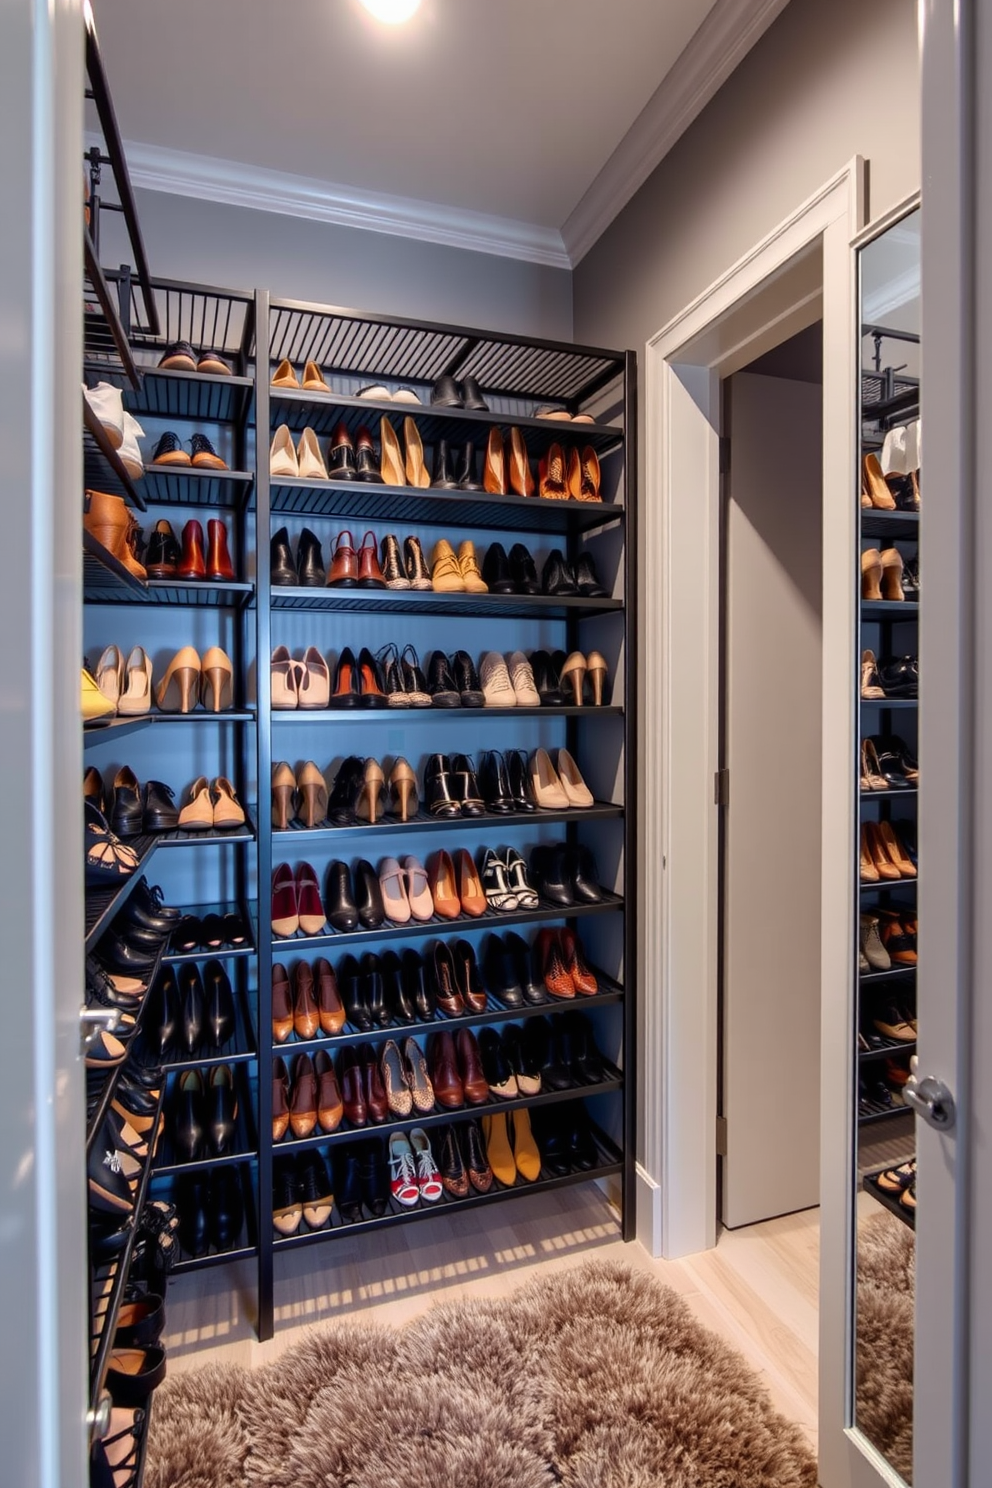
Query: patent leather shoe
[353, 994]
[282, 567]
[368, 896]
[522, 570]
[342, 911]
[494, 782]
[192, 1006]
[500, 973]
[220, 1109]
[310, 561]
[220, 1003]
[546, 679]
[557, 577]
[467, 680]
[496, 570]
[188, 1130]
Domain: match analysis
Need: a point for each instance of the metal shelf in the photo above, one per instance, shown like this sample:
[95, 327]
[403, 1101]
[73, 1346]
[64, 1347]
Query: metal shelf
[411, 505]
[891, 704]
[883, 1113]
[410, 715]
[217, 593]
[888, 1201]
[105, 579]
[180, 837]
[413, 602]
[890, 524]
[890, 609]
[894, 794]
[248, 1238]
[224, 953]
[443, 1117]
[94, 732]
[218, 490]
[202, 397]
[889, 885]
[240, 1048]
[423, 823]
[490, 920]
[872, 1056]
[871, 977]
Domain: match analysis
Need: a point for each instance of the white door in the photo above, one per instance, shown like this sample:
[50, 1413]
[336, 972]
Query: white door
[772, 752]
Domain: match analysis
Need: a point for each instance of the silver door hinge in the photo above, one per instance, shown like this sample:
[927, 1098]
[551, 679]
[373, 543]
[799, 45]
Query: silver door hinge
[721, 1136]
[721, 788]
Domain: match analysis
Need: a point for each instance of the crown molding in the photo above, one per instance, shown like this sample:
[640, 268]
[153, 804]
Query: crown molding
[727, 34]
[894, 295]
[208, 178]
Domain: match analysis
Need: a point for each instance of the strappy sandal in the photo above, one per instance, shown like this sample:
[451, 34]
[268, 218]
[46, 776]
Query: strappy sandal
[107, 1468]
[895, 1180]
[108, 860]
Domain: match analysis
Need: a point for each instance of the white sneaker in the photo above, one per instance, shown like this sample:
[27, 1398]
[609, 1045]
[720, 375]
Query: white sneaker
[282, 455]
[428, 1177]
[522, 680]
[108, 405]
[129, 452]
[311, 462]
[494, 678]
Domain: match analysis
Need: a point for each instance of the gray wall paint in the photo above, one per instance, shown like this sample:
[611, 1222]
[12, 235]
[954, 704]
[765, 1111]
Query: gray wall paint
[214, 243]
[826, 82]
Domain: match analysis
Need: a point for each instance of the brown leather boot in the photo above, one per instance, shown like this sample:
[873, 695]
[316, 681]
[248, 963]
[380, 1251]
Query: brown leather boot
[107, 519]
[192, 564]
[219, 565]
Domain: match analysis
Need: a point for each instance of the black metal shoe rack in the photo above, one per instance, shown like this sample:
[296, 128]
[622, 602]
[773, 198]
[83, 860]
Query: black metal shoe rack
[516, 375]
[889, 628]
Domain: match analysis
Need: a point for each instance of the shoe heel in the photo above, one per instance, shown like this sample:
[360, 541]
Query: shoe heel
[184, 684]
[575, 681]
[404, 790]
[368, 798]
[597, 680]
[309, 812]
[282, 807]
[218, 688]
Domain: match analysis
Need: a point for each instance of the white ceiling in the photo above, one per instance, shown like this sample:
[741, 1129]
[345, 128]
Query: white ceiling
[505, 107]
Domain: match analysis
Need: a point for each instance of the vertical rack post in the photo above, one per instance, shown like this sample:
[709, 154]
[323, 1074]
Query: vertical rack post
[630, 724]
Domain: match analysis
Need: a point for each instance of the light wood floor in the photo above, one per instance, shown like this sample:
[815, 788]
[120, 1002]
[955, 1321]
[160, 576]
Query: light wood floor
[757, 1289]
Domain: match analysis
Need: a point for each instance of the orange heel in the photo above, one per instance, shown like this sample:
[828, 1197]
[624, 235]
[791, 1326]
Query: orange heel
[372, 788]
[179, 689]
[573, 676]
[217, 685]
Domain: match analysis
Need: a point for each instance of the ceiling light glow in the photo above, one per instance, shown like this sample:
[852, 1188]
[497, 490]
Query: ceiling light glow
[392, 12]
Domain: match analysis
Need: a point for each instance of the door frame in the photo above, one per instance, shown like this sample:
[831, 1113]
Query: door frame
[806, 267]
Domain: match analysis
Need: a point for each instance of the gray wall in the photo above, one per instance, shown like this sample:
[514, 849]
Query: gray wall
[826, 82]
[214, 243]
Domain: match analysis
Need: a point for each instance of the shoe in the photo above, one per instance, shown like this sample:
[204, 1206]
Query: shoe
[169, 451]
[464, 787]
[499, 1153]
[159, 812]
[446, 989]
[573, 676]
[577, 792]
[546, 680]
[442, 477]
[584, 475]
[366, 464]
[107, 403]
[496, 570]
[446, 576]
[343, 572]
[355, 1002]
[470, 1069]
[391, 466]
[403, 791]
[126, 818]
[454, 1173]
[347, 689]
[557, 577]
[891, 1021]
[469, 566]
[497, 689]
[285, 905]
[583, 977]
[110, 522]
[522, 571]
[403, 1171]
[282, 1004]
[311, 793]
[442, 1065]
[521, 476]
[306, 1021]
[549, 864]
[470, 890]
[480, 1172]
[549, 792]
[871, 687]
[516, 874]
[395, 994]
[216, 681]
[467, 977]
[287, 1196]
[285, 375]
[417, 987]
[526, 1155]
[313, 379]
[315, 1188]
[445, 393]
[443, 884]
[162, 556]
[368, 896]
[465, 470]
[93, 704]
[330, 1010]
[528, 1076]
[525, 690]
[494, 478]
[587, 579]
[418, 1078]
[348, 1184]
[392, 883]
[341, 455]
[375, 1179]
[370, 681]
[500, 1078]
[309, 460]
[220, 1110]
[441, 801]
[441, 684]
[219, 565]
[284, 679]
[900, 676]
[205, 457]
[551, 475]
[416, 470]
[500, 973]
[496, 886]
[282, 567]
[283, 462]
[518, 776]
[873, 485]
[472, 396]
[467, 680]
[494, 783]
[416, 564]
[342, 912]
[418, 889]
[375, 1090]
[392, 569]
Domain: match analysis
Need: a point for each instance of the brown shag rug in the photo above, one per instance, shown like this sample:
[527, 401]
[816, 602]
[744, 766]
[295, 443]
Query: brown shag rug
[594, 1378]
[886, 1313]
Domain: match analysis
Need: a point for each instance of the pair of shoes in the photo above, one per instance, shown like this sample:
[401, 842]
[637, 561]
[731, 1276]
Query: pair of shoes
[361, 897]
[505, 782]
[380, 394]
[897, 1180]
[355, 569]
[412, 573]
[898, 932]
[895, 1021]
[188, 680]
[361, 785]
[202, 456]
[508, 683]
[565, 874]
[559, 961]
[881, 575]
[309, 1005]
[307, 570]
[302, 1191]
[385, 989]
[126, 684]
[189, 1012]
[210, 1206]
[504, 879]
[110, 522]
[180, 357]
[362, 1180]
[299, 684]
[455, 1067]
[108, 860]
[451, 574]
[452, 882]
[296, 903]
[357, 684]
[463, 1162]
[209, 933]
[559, 677]
[451, 787]
[454, 467]
[883, 855]
[887, 764]
[310, 1099]
[549, 411]
[296, 462]
[447, 393]
[211, 805]
[566, 1140]
[560, 577]
[132, 810]
[203, 1113]
[405, 1079]
[165, 560]
[413, 1173]
[510, 1147]
[899, 490]
[452, 681]
[893, 677]
[558, 786]
[313, 379]
[298, 796]
[506, 471]
[122, 430]
[575, 477]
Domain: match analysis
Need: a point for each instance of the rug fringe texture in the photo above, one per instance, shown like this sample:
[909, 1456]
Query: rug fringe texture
[597, 1377]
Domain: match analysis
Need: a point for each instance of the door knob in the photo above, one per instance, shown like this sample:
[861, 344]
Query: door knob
[94, 1020]
[931, 1099]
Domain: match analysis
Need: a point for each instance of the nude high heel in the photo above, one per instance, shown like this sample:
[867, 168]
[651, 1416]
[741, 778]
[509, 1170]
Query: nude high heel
[871, 574]
[403, 790]
[597, 672]
[285, 679]
[573, 676]
[391, 463]
[891, 566]
[417, 473]
[283, 796]
[179, 689]
[312, 792]
[373, 785]
[874, 485]
[216, 680]
[521, 476]
[894, 850]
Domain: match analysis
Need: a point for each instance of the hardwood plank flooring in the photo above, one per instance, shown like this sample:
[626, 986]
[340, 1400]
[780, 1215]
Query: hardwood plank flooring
[757, 1289]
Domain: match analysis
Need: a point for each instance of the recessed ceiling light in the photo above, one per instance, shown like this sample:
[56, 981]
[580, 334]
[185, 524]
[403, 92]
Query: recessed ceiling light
[392, 12]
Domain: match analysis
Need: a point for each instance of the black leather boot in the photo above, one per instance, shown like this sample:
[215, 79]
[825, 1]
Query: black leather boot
[310, 561]
[442, 479]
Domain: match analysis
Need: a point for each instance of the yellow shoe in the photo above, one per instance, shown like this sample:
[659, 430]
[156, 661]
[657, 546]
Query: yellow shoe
[446, 576]
[498, 1149]
[525, 1153]
[469, 566]
[92, 700]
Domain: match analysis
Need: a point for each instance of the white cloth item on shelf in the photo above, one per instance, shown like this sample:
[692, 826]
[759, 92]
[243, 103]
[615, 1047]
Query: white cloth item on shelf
[914, 446]
[108, 405]
[893, 457]
[129, 452]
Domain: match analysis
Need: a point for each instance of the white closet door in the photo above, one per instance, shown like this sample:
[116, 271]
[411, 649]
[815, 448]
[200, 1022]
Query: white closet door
[772, 721]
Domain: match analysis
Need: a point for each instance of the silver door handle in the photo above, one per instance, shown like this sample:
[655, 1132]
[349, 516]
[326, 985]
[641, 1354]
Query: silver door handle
[93, 1020]
[931, 1099]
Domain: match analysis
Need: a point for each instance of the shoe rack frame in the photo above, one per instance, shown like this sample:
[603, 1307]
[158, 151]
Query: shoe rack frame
[888, 398]
[254, 333]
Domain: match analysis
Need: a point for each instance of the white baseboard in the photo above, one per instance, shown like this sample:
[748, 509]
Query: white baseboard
[648, 1211]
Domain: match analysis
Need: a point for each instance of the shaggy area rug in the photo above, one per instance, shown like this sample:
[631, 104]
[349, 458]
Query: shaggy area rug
[886, 1314]
[593, 1378]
